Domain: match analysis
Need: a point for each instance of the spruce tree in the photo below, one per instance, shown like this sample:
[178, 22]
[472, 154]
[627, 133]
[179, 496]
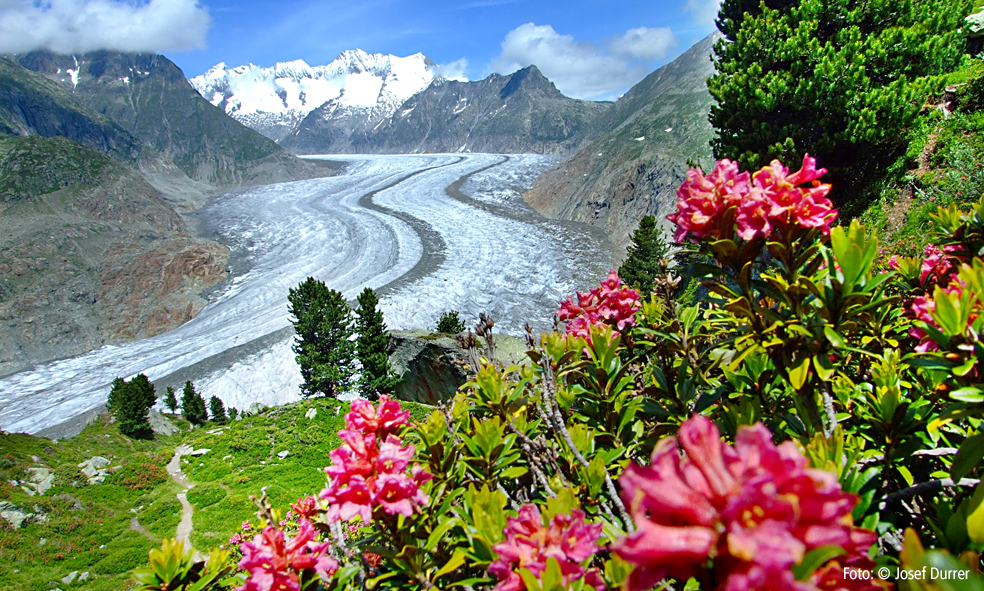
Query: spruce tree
[193, 405]
[170, 401]
[116, 394]
[840, 79]
[324, 348]
[233, 413]
[217, 409]
[648, 247]
[372, 347]
[131, 403]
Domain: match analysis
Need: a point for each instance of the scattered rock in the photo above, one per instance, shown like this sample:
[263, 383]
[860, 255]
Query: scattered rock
[226, 457]
[283, 454]
[432, 366]
[14, 514]
[40, 480]
[311, 413]
[161, 424]
[84, 577]
[95, 469]
[218, 431]
[201, 452]
[70, 577]
[255, 409]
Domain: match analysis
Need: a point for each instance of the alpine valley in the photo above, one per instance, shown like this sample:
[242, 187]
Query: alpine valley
[119, 225]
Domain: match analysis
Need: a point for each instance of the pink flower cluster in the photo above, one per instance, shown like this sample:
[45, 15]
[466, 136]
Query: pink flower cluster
[274, 563]
[529, 544]
[612, 304]
[754, 509]
[369, 470]
[727, 201]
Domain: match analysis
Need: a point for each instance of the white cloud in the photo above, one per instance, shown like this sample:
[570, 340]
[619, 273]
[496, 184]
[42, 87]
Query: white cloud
[704, 11]
[644, 43]
[453, 71]
[75, 26]
[582, 70]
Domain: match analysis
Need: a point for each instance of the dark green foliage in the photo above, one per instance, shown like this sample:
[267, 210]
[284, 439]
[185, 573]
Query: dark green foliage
[130, 403]
[450, 323]
[217, 409]
[233, 413]
[648, 248]
[372, 347]
[193, 405]
[839, 79]
[323, 323]
[170, 400]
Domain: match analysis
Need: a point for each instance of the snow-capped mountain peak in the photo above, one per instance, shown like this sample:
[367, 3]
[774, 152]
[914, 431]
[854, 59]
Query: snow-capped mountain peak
[273, 100]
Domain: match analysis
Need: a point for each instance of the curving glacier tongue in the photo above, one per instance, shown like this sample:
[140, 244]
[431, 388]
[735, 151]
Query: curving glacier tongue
[430, 233]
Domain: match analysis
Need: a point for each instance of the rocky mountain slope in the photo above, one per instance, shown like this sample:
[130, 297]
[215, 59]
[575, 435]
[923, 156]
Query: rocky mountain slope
[635, 169]
[90, 254]
[98, 153]
[148, 96]
[355, 91]
[520, 113]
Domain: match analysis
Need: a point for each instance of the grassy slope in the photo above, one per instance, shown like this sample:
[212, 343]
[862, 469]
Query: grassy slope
[943, 164]
[97, 538]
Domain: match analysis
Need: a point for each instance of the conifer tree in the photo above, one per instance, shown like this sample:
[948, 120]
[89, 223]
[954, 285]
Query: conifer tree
[217, 409]
[130, 403]
[170, 400]
[840, 79]
[193, 405]
[324, 348]
[648, 247]
[372, 347]
[233, 413]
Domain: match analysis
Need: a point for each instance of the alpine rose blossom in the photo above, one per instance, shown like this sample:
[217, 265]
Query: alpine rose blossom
[754, 508]
[612, 304]
[728, 202]
[369, 470]
[275, 563]
[529, 544]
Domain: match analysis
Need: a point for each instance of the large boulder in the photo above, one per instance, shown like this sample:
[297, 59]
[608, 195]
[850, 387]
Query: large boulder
[160, 424]
[432, 366]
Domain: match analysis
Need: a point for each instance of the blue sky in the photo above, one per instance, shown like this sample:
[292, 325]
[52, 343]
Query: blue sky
[591, 49]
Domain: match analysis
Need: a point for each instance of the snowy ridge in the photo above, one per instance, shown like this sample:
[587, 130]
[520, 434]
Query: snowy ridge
[273, 100]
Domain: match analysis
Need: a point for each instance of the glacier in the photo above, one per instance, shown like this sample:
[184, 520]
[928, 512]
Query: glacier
[430, 233]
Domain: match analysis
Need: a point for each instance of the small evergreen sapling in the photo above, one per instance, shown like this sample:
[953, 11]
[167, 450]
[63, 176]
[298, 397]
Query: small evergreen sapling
[372, 348]
[170, 400]
[193, 405]
[217, 409]
[642, 265]
[450, 323]
[233, 413]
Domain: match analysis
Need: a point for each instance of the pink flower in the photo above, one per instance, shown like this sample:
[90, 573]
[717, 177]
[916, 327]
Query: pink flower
[567, 538]
[611, 304]
[752, 510]
[307, 507]
[369, 470]
[246, 525]
[277, 564]
[728, 202]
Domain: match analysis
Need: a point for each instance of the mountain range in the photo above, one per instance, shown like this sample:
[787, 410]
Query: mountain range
[99, 155]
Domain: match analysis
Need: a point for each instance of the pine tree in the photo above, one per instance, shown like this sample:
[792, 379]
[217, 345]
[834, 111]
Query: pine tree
[233, 413]
[131, 403]
[217, 409]
[648, 247]
[324, 348]
[372, 348]
[170, 401]
[193, 405]
[450, 323]
[839, 79]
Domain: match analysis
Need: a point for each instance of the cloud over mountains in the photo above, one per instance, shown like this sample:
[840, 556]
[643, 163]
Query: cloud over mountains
[75, 26]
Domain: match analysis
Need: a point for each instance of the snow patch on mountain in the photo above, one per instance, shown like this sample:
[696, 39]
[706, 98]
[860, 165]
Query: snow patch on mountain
[274, 100]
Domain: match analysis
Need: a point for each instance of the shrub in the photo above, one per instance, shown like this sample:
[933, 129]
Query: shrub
[141, 476]
[450, 323]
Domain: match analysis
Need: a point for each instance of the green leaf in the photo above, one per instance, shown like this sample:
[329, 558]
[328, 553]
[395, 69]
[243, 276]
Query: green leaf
[814, 559]
[975, 516]
[799, 372]
[457, 559]
[970, 454]
[968, 394]
[836, 340]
